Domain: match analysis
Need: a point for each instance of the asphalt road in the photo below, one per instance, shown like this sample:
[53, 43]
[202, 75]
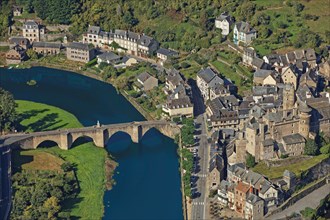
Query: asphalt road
[200, 173]
[5, 200]
[312, 200]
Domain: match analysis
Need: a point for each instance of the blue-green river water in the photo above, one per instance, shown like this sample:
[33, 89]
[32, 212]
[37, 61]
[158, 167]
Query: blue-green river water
[148, 179]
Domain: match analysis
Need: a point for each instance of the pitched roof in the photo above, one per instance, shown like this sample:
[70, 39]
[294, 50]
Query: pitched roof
[261, 73]
[293, 139]
[79, 46]
[94, 29]
[167, 52]
[206, 74]
[144, 76]
[310, 54]
[216, 162]
[145, 40]
[258, 63]
[19, 40]
[47, 45]
[289, 174]
[300, 54]
[243, 187]
[183, 102]
[244, 27]
[108, 56]
[31, 23]
[224, 16]
[252, 199]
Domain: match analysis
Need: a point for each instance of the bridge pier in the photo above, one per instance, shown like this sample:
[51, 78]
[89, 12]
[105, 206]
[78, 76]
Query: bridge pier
[64, 142]
[99, 140]
[136, 134]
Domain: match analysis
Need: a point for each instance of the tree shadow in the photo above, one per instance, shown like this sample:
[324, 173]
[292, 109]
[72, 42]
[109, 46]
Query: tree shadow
[71, 203]
[32, 113]
[46, 123]
[18, 160]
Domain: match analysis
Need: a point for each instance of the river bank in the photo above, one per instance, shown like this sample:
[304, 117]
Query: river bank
[86, 157]
[141, 165]
[78, 70]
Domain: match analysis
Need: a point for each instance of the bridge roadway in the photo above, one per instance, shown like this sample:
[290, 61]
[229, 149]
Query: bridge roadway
[99, 133]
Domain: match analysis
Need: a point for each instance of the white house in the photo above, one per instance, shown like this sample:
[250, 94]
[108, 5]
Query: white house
[244, 33]
[223, 22]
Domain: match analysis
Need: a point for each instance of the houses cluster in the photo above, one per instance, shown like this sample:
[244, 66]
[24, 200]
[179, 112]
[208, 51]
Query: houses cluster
[250, 194]
[178, 93]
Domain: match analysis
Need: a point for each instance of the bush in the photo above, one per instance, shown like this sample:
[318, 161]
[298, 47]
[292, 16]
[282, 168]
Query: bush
[185, 65]
[325, 149]
[310, 147]
[250, 160]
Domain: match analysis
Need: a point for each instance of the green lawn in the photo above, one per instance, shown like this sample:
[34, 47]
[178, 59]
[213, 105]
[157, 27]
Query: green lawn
[88, 159]
[41, 117]
[4, 48]
[297, 168]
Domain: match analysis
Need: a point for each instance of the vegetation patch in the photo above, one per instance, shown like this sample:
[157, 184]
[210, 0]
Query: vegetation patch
[46, 164]
[297, 168]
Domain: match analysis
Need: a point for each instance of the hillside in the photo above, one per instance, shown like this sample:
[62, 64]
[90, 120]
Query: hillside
[190, 24]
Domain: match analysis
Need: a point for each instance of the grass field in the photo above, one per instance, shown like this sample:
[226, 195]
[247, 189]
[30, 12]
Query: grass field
[297, 168]
[88, 159]
[41, 117]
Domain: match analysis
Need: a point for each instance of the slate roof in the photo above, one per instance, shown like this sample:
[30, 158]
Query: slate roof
[31, 23]
[127, 34]
[19, 40]
[94, 29]
[47, 45]
[144, 76]
[293, 139]
[264, 90]
[183, 102]
[253, 199]
[289, 174]
[108, 56]
[262, 73]
[284, 60]
[300, 54]
[268, 142]
[174, 77]
[273, 58]
[145, 40]
[224, 16]
[216, 162]
[206, 74]
[79, 46]
[310, 54]
[258, 63]
[167, 52]
[245, 27]
[291, 57]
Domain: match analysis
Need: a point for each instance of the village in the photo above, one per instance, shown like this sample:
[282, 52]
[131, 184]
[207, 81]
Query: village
[283, 117]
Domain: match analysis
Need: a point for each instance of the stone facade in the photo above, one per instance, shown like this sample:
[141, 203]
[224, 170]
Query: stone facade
[80, 52]
[33, 31]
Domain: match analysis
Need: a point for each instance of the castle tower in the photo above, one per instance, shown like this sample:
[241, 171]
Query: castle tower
[304, 122]
[289, 97]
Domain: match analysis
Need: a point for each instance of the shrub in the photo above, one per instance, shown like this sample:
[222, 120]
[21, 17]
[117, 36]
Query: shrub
[250, 160]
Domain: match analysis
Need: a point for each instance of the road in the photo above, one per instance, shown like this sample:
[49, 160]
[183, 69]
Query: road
[5, 200]
[312, 200]
[201, 171]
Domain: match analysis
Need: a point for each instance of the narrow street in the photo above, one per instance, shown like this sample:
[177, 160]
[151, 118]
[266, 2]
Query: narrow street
[200, 172]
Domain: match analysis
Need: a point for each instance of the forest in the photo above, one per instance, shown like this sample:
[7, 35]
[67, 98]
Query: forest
[187, 25]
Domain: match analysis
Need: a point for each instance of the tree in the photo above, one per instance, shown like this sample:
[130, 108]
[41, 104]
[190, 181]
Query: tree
[310, 147]
[8, 114]
[32, 54]
[250, 160]
[52, 207]
[325, 149]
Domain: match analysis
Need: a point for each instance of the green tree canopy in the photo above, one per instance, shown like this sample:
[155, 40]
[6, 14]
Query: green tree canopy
[310, 147]
[8, 114]
[250, 160]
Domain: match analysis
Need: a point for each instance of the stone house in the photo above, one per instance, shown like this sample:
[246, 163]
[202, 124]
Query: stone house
[47, 48]
[33, 31]
[324, 71]
[223, 22]
[179, 107]
[108, 57]
[207, 78]
[294, 144]
[146, 81]
[244, 33]
[80, 52]
[216, 171]
[254, 207]
[290, 179]
[248, 55]
[172, 80]
[269, 194]
[258, 64]
[20, 41]
[147, 46]
[15, 55]
[264, 77]
[164, 54]
[17, 10]
[320, 114]
[126, 61]
[289, 76]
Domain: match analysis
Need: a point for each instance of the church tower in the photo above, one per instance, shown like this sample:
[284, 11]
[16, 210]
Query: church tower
[289, 97]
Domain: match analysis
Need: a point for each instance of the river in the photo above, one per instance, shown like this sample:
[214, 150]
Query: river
[148, 179]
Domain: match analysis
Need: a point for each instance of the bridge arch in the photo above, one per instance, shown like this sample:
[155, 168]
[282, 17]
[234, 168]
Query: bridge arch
[83, 138]
[46, 142]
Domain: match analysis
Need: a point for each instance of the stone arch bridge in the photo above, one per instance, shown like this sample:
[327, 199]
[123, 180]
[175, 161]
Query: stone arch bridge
[100, 134]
